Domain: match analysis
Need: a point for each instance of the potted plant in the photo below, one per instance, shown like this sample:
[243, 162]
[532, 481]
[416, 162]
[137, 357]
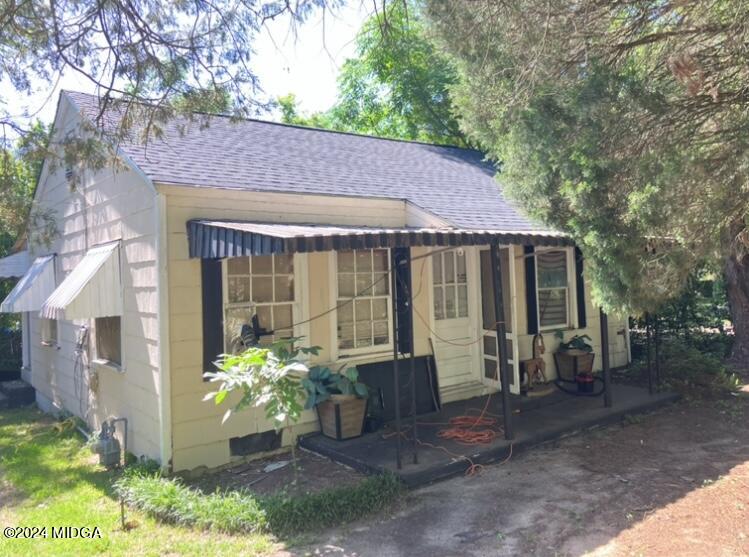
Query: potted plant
[575, 358]
[340, 399]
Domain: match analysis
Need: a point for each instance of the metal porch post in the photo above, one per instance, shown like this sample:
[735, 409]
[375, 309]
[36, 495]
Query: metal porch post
[408, 287]
[657, 338]
[499, 313]
[396, 375]
[650, 363]
[605, 359]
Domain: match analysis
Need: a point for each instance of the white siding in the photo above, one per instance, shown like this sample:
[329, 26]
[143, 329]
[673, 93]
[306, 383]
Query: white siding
[198, 436]
[110, 205]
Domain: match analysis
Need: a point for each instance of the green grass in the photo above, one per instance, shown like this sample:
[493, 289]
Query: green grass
[49, 478]
[171, 501]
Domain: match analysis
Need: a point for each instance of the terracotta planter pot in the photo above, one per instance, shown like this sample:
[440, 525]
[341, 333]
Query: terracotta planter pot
[342, 416]
[571, 363]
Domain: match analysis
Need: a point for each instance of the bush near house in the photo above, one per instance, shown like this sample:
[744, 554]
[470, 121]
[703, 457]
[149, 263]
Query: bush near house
[688, 370]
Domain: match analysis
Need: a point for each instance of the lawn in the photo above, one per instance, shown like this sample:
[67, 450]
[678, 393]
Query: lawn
[49, 478]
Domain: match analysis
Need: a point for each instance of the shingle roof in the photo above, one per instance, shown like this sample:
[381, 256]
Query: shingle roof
[455, 184]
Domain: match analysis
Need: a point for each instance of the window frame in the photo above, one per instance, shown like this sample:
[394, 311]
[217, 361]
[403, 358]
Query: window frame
[347, 353]
[45, 326]
[101, 361]
[568, 290]
[298, 312]
[457, 284]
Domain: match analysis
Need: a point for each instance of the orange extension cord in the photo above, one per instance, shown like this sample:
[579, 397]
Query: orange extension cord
[462, 429]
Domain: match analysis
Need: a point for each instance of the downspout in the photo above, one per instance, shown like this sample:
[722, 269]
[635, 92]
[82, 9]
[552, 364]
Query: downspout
[162, 290]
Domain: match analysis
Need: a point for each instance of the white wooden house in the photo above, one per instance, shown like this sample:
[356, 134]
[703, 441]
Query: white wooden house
[160, 262]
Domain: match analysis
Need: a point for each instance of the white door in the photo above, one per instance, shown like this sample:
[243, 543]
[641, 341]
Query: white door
[489, 356]
[453, 316]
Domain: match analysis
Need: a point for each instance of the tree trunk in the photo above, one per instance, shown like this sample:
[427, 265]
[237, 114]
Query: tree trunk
[737, 288]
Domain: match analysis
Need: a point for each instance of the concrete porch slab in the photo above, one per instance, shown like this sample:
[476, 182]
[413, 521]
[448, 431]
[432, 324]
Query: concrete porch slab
[535, 420]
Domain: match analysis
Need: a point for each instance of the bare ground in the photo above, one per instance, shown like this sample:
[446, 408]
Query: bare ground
[314, 473]
[675, 482]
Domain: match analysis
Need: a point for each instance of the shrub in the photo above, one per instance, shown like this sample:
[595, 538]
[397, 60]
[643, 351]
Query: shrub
[690, 371]
[170, 500]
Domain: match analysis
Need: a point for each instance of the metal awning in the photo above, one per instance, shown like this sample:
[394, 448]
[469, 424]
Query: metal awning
[215, 239]
[15, 265]
[33, 287]
[92, 289]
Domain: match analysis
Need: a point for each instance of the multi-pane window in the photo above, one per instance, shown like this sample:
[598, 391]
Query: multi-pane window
[108, 339]
[552, 288]
[363, 298]
[450, 285]
[259, 300]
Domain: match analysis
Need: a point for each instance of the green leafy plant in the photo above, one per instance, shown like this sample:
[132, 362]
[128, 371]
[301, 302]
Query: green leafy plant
[577, 342]
[266, 377]
[321, 382]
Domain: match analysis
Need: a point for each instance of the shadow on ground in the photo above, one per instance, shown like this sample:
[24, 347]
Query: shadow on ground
[583, 494]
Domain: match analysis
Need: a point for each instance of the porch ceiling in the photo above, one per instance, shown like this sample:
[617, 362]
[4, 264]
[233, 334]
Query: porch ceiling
[215, 239]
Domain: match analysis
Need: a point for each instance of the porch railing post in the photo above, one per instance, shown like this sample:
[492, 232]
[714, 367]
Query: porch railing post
[499, 313]
[408, 287]
[396, 375]
[650, 362]
[607, 402]
[657, 338]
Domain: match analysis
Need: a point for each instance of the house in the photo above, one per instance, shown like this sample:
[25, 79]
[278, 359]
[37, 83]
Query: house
[162, 260]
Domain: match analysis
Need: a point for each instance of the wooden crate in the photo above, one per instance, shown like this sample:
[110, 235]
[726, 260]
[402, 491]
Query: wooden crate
[342, 416]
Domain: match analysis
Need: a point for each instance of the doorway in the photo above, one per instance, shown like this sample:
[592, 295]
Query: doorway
[489, 352]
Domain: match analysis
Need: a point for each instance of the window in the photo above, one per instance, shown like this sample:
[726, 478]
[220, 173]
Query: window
[552, 288]
[363, 282]
[49, 332]
[259, 302]
[108, 339]
[450, 285]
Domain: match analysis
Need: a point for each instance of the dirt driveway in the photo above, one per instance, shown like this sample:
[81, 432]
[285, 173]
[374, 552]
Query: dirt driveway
[675, 482]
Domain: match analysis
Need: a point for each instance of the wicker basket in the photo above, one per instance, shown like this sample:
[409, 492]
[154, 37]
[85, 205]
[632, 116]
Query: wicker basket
[572, 362]
[342, 416]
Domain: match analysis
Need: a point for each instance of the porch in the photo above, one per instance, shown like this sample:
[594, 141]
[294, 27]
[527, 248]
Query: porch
[536, 420]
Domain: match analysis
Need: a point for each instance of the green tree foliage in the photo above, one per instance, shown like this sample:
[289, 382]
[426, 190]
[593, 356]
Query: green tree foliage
[396, 86]
[19, 171]
[623, 124]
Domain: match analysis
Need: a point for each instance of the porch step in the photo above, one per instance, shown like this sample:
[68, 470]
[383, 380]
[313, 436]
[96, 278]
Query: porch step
[16, 394]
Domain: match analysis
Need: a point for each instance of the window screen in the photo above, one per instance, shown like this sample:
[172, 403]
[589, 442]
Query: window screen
[553, 288]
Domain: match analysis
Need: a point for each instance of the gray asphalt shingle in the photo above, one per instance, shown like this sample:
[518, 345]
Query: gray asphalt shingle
[456, 184]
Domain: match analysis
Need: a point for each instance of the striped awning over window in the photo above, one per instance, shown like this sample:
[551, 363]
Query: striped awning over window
[216, 239]
[92, 289]
[15, 265]
[33, 288]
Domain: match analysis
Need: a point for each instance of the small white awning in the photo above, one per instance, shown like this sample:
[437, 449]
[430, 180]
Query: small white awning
[92, 289]
[33, 288]
[15, 265]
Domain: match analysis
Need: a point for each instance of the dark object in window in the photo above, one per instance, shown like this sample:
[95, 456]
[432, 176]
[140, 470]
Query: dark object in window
[255, 443]
[109, 339]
